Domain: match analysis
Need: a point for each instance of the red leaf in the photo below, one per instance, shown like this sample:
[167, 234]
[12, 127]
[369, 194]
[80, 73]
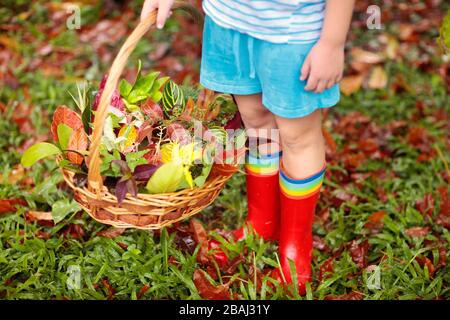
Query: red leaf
[319, 243]
[417, 232]
[65, 116]
[201, 238]
[208, 291]
[79, 142]
[111, 232]
[8, 205]
[326, 267]
[359, 252]
[152, 110]
[231, 265]
[375, 221]
[426, 205]
[143, 290]
[424, 261]
[109, 288]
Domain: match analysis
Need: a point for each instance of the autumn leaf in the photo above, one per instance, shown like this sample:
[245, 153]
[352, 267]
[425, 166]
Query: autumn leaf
[417, 232]
[426, 205]
[65, 116]
[375, 221]
[364, 56]
[201, 238]
[40, 215]
[111, 233]
[326, 268]
[77, 142]
[351, 84]
[9, 205]
[359, 252]
[378, 78]
[207, 290]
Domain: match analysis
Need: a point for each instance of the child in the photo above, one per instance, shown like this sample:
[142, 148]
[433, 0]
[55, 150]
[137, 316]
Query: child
[282, 61]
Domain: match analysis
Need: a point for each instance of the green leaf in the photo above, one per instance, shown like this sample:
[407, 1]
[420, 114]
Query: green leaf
[62, 208]
[37, 152]
[144, 84]
[166, 178]
[106, 168]
[157, 96]
[125, 88]
[201, 179]
[158, 84]
[86, 117]
[135, 159]
[136, 96]
[64, 133]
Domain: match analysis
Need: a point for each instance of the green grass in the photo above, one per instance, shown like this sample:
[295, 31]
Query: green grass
[38, 261]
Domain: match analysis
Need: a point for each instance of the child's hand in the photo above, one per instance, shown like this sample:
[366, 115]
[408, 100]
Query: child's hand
[163, 7]
[323, 66]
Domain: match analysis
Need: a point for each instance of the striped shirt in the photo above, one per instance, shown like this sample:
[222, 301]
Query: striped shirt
[277, 21]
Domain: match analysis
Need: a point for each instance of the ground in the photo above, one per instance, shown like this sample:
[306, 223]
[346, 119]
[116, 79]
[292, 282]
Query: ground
[381, 229]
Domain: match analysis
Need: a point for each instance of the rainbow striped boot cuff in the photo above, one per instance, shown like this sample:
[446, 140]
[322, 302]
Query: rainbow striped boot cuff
[264, 165]
[303, 188]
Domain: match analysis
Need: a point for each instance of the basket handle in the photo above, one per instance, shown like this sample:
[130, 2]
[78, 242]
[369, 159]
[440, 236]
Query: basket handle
[95, 181]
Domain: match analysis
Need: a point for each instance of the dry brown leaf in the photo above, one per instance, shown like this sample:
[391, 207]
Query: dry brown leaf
[111, 232]
[351, 84]
[207, 290]
[417, 232]
[201, 239]
[364, 56]
[39, 215]
[378, 78]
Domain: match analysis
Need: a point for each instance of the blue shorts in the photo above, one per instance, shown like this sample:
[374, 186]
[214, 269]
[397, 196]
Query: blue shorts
[236, 63]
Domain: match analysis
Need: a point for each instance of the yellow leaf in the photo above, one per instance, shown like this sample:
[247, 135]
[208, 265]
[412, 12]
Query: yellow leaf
[378, 78]
[188, 177]
[130, 133]
[167, 151]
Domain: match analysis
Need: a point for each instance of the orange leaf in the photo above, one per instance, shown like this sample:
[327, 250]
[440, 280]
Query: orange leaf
[78, 142]
[351, 84]
[66, 116]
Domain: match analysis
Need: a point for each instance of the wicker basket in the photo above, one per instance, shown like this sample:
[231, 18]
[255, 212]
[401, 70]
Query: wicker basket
[146, 211]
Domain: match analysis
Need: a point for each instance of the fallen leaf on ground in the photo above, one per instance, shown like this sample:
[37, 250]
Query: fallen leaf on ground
[417, 232]
[208, 291]
[201, 238]
[351, 84]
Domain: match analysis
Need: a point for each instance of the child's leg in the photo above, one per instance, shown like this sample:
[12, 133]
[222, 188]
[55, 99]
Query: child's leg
[253, 113]
[301, 174]
[263, 200]
[303, 144]
[262, 166]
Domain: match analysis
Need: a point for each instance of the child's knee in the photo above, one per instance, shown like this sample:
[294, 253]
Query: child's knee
[302, 134]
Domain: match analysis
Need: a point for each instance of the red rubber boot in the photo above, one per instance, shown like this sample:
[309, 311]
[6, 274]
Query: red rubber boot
[298, 203]
[263, 206]
[263, 200]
